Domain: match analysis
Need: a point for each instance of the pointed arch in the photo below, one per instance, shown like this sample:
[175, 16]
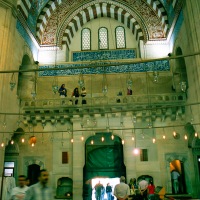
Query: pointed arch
[124, 13]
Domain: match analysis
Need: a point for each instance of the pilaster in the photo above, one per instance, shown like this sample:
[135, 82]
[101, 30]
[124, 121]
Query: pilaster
[129, 158]
[78, 162]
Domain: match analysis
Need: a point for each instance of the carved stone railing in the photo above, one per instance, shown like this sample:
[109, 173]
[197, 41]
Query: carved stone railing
[136, 100]
[162, 105]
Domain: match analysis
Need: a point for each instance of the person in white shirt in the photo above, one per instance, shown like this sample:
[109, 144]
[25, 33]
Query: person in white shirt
[143, 185]
[122, 190]
[40, 190]
[18, 193]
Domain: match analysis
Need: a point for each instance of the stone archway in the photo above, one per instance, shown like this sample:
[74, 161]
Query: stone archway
[170, 157]
[25, 79]
[102, 159]
[33, 160]
[180, 73]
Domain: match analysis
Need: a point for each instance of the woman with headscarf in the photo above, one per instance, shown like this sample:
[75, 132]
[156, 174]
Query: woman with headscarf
[75, 94]
[62, 91]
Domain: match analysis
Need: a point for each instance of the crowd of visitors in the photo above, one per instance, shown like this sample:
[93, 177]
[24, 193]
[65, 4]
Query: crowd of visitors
[75, 94]
[143, 190]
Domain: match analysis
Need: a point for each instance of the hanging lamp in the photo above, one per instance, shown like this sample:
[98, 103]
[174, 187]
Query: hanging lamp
[12, 82]
[104, 85]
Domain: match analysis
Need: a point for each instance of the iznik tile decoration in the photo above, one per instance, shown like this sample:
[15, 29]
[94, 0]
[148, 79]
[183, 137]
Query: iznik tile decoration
[26, 37]
[36, 7]
[104, 55]
[162, 65]
[33, 14]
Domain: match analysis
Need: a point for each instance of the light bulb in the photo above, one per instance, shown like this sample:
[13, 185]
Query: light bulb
[12, 142]
[136, 151]
[102, 139]
[23, 140]
[2, 144]
[185, 137]
[196, 134]
[174, 133]
[133, 138]
[163, 136]
[72, 140]
[122, 141]
[32, 144]
[92, 142]
[154, 140]
[112, 137]
[82, 138]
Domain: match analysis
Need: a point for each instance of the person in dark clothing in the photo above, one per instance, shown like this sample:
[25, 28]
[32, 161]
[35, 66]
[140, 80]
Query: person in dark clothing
[109, 191]
[62, 91]
[75, 94]
[98, 188]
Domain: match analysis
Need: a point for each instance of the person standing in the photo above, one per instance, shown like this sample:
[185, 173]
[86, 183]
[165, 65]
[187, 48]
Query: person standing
[122, 190]
[40, 190]
[75, 94]
[143, 185]
[83, 94]
[175, 181]
[98, 190]
[151, 190]
[103, 191]
[62, 91]
[18, 193]
[108, 191]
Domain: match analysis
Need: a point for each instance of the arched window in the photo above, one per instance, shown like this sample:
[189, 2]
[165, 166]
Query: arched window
[120, 37]
[86, 39]
[103, 38]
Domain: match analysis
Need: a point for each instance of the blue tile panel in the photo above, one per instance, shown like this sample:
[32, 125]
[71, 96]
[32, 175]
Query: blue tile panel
[103, 55]
[162, 65]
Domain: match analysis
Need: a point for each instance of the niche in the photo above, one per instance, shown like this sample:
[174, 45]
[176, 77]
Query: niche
[64, 188]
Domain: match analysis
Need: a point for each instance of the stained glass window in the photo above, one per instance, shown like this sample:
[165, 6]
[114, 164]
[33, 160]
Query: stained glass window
[103, 38]
[120, 37]
[86, 39]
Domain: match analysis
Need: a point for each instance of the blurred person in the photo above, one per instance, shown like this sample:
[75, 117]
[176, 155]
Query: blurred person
[175, 181]
[143, 188]
[108, 191]
[40, 190]
[18, 193]
[103, 191]
[98, 190]
[122, 190]
[75, 94]
[131, 186]
[62, 91]
[151, 190]
[83, 94]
